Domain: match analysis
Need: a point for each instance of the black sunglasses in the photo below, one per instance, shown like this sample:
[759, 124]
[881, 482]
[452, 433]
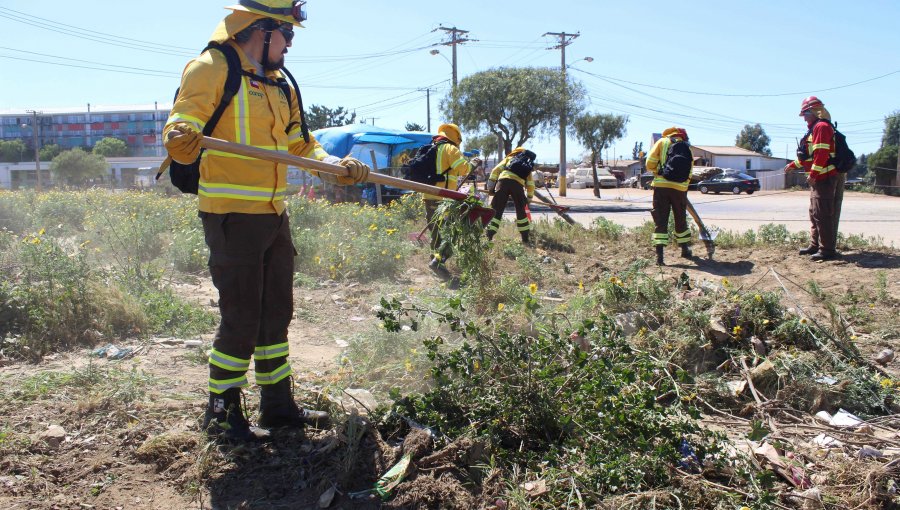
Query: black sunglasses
[287, 31]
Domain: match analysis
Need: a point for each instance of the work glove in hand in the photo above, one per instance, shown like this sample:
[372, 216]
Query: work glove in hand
[184, 148]
[491, 187]
[358, 171]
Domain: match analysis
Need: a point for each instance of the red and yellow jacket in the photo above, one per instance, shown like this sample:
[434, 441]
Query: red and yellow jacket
[451, 164]
[257, 116]
[820, 147]
[656, 160]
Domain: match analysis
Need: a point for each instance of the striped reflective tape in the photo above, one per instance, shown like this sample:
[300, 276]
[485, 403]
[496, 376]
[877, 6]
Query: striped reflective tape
[273, 376]
[271, 351]
[227, 362]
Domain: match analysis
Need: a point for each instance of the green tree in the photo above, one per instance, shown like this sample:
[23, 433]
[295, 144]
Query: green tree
[318, 117]
[637, 151]
[891, 134]
[597, 132]
[111, 148]
[412, 126]
[753, 138]
[50, 151]
[13, 151]
[74, 167]
[488, 144]
[882, 166]
[514, 103]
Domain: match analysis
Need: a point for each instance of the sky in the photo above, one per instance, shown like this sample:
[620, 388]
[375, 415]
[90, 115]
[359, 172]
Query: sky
[708, 66]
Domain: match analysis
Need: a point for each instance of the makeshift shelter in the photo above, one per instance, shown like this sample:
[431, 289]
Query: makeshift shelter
[392, 147]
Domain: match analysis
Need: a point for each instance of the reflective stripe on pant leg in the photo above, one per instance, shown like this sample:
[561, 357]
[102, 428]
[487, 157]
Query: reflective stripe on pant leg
[219, 386]
[660, 239]
[227, 364]
[494, 225]
[523, 225]
[271, 351]
[683, 237]
[274, 376]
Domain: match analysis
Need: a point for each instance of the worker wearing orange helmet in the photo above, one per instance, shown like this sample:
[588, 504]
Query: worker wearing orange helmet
[814, 155]
[241, 203]
[451, 164]
[670, 151]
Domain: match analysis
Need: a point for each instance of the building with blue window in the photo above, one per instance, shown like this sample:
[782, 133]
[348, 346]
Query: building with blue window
[139, 126]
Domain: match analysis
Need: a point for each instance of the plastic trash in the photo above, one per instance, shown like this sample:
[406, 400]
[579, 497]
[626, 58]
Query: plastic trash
[385, 485]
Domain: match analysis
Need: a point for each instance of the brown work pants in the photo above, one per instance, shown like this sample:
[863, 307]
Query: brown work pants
[251, 259]
[439, 249]
[838, 201]
[506, 189]
[821, 214]
[664, 201]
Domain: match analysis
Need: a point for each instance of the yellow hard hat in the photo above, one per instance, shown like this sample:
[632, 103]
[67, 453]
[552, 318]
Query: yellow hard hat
[516, 150]
[451, 132]
[247, 11]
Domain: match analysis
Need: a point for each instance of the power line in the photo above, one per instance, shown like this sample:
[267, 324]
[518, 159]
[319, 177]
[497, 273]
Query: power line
[779, 94]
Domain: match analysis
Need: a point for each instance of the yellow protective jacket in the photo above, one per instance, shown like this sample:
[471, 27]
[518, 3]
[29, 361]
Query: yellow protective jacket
[257, 116]
[500, 172]
[656, 160]
[452, 164]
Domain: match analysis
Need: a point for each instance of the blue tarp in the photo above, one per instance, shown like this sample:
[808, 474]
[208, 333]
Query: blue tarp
[392, 147]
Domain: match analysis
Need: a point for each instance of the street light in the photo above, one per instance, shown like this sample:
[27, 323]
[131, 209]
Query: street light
[562, 123]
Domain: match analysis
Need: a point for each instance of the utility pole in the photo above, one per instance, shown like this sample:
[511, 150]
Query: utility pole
[37, 148]
[564, 40]
[428, 107]
[455, 38]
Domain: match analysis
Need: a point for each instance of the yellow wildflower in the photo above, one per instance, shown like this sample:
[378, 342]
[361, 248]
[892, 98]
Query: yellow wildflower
[804, 321]
[532, 288]
[476, 365]
[887, 383]
[390, 231]
[580, 285]
[736, 331]
[757, 297]
[397, 256]
[500, 307]
[725, 282]
[373, 227]
[384, 252]
[408, 365]
[42, 231]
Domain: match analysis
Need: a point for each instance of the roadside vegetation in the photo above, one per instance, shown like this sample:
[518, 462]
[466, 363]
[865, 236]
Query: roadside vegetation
[568, 374]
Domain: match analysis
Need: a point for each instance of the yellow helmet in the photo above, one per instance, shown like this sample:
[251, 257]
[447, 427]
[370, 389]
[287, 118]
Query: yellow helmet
[516, 151]
[451, 132]
[247, 11]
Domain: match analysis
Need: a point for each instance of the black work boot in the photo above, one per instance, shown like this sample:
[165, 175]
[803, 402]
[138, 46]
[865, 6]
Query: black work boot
[686, 252]
[824, 255]
[225, 419]
[809, 250]
[277, 408]
[659, 255]
[439, 269]
[525, 238]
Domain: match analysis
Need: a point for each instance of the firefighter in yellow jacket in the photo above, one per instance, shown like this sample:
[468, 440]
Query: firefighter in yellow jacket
[670, 194]
[452, 165]
[506, 182]
[241, 202]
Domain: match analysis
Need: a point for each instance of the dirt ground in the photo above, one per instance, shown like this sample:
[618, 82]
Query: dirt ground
[150, 455]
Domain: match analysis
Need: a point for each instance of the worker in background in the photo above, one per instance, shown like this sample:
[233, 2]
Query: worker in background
[671, 162]
[512, 177]
[241, 202]
[451, 165]
[814, 156]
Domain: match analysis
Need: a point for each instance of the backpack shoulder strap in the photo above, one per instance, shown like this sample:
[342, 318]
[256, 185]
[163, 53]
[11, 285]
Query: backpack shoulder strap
[304, 127]
[232, 83]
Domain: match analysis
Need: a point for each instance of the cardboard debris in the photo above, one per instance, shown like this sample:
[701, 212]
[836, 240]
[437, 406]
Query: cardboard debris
[787, 466]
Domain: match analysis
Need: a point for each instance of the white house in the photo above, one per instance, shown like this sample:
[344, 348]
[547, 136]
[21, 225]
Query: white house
[767, 169]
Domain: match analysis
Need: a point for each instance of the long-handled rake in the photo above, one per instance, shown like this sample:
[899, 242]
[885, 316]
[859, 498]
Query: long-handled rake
[708, 237]
[474, 214]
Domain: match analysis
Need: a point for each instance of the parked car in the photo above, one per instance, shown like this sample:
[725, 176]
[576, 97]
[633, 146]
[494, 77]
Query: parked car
[631, 182]
[736, 183]
[854, 182]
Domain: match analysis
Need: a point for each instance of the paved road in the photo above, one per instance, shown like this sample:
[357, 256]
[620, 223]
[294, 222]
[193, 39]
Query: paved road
[863, 213]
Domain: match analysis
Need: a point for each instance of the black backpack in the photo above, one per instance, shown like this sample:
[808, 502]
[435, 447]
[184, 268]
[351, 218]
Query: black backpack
[843, 160]
[423, 166]
[522, 164]
[679, 161]
[187, 177]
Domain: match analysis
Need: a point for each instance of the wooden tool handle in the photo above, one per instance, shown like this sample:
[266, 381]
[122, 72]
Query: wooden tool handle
[320, 166]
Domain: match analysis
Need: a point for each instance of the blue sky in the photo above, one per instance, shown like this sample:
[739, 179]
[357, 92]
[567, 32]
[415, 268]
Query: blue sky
[729, 63]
